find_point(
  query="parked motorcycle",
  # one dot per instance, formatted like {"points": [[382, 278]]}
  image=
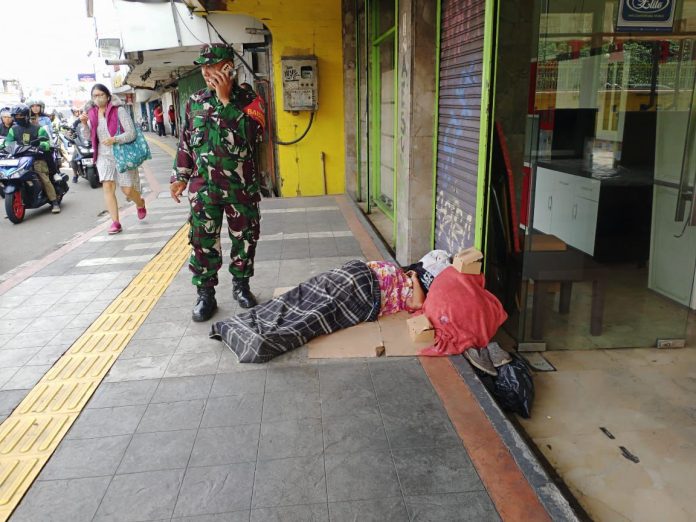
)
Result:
{"points": [[21, 183], [82, 161]]}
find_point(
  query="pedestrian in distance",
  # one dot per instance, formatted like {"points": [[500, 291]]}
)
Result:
{"points": [[172, 119], [159, 120], [215, 160], [110, 123]]}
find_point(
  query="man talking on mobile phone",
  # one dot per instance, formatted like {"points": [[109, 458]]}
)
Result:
{"points": [[215, 160]]}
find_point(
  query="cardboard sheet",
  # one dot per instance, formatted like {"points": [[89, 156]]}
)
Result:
{"points": [[397, 341], [362, 340], [281, 290]]}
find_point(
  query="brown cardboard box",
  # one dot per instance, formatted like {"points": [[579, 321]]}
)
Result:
{"points": [[465, 258], [420, 329], [396, 338]]}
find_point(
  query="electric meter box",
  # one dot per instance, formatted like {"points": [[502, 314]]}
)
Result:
{"points": [[300, 83]]}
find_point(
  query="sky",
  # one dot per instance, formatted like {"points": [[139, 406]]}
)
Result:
{"points": [[55, 37]]}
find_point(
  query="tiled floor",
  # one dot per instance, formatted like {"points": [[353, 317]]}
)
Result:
{"points": [[179, 430], [645, 398]]}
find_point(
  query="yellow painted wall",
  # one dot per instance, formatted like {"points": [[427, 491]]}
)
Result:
{"points": [[302, 27]]}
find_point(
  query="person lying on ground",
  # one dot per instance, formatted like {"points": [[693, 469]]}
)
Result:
{"points": [[354, 293]]}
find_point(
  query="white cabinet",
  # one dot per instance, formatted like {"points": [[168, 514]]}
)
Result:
{"points": [[566, 207]]}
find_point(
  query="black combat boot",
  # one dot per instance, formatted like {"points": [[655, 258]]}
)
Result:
{"points": [[205, 304], [242, 293]]}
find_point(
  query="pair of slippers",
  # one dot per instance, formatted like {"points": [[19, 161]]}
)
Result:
{"points": [[488, 359]]}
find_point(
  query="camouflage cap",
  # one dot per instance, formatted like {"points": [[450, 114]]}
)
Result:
{"points": [[213, 53]]}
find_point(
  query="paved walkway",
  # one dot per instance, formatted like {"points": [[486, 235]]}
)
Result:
{"points": [[178, 430]]}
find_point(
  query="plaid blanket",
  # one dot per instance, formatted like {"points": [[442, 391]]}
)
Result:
{"points": [[326, 303]]}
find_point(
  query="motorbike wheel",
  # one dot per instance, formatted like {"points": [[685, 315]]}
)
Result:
{"points": [[93, 178], [14, 207]]}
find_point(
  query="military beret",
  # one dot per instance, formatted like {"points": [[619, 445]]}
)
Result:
{"points": [[213, 53]]}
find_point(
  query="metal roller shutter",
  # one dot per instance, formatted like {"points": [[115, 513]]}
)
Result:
{"points": [[459, 112]]}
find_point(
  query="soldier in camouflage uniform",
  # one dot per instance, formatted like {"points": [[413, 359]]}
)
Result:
{"points": [[216, 160]]}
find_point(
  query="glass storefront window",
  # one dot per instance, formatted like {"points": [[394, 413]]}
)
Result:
{"points": [[610, 143]]}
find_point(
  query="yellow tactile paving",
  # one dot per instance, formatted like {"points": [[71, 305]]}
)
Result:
{"points": [[32, 433]]}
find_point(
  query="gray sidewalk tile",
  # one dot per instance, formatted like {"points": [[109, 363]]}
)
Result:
{"points": [[43, 323], [43, 299], [233, 410], [86, 458], [48, 355], [106, 422], [10, 399], [126, 393], [79, 297], [298, 379], [419, 428], [253, 381], [354, 433], [158, 451], [323, 247], [189, 364], [7, 373], [13, 299], [181, 313], [234, 516], [83, 320], [159, 330], [26, 377], [177, 388], [32, 339], [22, 312], [424, 471], [198, 344], [344, 378], [13, 326], [75, 500], [202, 329], [287, 405], [361, 476], [76, 308], [288, 482], [149, 348], [66, 336], [14, 357], [6, 336], [140, 496], [349, 402], [380, 510], [227, 445], [138, 368], [306, 513], [170, 416], [216, 489], [456, 507], [292, 438]]}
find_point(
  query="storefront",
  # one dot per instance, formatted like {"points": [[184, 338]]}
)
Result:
{"points": [[602, 169]]}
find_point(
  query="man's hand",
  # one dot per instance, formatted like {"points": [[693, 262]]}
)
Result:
{"points": [[176, 189], [222, 82]]}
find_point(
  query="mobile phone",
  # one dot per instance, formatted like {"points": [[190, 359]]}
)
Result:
{"points": [[227, 68]]}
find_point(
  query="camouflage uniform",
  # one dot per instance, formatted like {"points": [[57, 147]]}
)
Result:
{"points": [[216, 158]]}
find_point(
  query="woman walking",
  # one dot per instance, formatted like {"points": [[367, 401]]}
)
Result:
{"points": [[110, 123]]}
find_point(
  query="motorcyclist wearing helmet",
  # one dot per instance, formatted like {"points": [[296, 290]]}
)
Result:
{"points": [[24, 132], [39, 117], [6, 124]]}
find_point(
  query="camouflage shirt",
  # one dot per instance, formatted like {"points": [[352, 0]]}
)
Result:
{"points": [[217, 143]]}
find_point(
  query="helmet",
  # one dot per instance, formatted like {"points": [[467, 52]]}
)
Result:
{"points": [[5, 111], [21, 110], [38, 102]]}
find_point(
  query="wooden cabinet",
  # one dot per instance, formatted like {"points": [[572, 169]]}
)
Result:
{"points": [[566, 206]]}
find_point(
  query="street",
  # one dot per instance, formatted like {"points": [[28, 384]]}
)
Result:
{"points": [[42, 232]]}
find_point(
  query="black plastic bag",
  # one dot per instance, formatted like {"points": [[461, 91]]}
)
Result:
{"points": [[513, 388]]}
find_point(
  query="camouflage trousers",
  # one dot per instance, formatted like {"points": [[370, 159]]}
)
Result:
{"points": [[243, 224]]}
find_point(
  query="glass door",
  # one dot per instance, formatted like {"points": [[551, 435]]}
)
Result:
{"points": [[611, 247]]}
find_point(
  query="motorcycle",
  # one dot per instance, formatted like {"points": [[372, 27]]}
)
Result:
{"points": [[82, 161], [21, 183]]}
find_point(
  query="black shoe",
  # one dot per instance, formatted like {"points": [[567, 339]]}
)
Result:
{"points": [[242, 293], [205, 305]]}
